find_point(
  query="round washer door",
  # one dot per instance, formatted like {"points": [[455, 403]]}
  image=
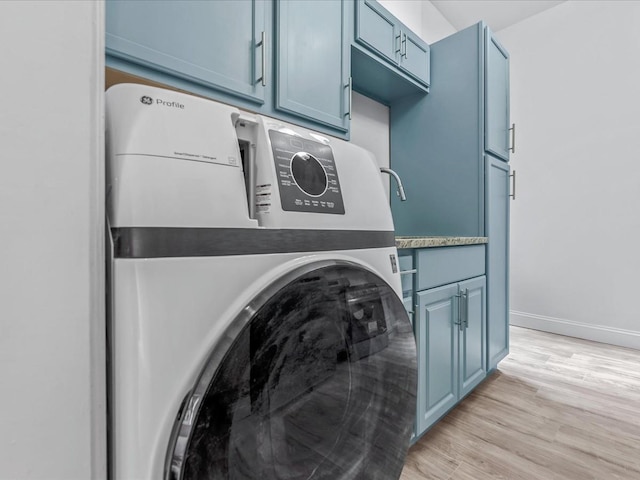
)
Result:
{"points": [[316, 380]]}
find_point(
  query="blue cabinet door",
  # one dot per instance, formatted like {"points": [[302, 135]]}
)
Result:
{"points": [[497, 260], [496, 129], [473, 360], [195, 41], [313, 60], [414, 56], [377, 30], [436, 332]]}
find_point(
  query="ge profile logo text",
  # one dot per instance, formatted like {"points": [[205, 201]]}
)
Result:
{"points": [[158, 101]]}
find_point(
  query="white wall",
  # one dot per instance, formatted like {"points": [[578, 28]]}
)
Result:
{"points": [[434, 26], [575, 225], [370, 128], [51, 264], [422, 17]]}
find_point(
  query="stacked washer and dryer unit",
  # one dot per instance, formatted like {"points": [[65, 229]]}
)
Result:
{"points": [[256, 329]]}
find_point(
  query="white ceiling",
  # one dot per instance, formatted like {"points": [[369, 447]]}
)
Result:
{"points": [[498, 14]]}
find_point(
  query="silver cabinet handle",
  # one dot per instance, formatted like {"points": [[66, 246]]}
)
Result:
{"points": [[513, 138], [399, 42], [465, 295], [513, 185], [263, 49], [404, 43], [463, 311], [459, 322], [350, 87]]}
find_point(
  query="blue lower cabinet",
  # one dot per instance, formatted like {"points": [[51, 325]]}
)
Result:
{"points": [[473, 364], [450, 328], [437, 340]]}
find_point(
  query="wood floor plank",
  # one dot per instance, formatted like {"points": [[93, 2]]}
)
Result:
{"points": [[558, 408], [468, 472], [428, 463]]}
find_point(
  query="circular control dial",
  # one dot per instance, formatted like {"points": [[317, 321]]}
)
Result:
{"points": [[308, 174]]}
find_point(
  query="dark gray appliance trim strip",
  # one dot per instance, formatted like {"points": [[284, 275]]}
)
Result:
{"points": [[161, 242]]}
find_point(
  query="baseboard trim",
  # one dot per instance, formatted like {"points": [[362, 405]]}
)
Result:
{"points": [[570, 328]]}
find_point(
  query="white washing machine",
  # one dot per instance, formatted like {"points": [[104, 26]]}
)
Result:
{"points": [[256, 328]]}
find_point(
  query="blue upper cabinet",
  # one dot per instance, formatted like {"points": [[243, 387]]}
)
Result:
{"points": [[414, 56], [496, 109], [214, 44], [389, 61], [288, 59], [313, 60]]}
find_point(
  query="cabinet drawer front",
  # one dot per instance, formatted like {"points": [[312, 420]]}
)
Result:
{"points": [[439, 266]]}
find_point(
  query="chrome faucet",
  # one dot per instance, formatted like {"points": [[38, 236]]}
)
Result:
{"points": [[401, 194]]}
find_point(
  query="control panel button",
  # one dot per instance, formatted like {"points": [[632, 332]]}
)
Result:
{"points": [[308, 174]]}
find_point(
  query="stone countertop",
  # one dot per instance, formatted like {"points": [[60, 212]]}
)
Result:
{"points": [[426, 242]]}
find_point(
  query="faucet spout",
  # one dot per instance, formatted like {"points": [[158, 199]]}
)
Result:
{"points": [[401, 193]]}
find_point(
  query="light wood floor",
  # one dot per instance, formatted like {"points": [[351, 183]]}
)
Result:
{"points": [[557, 408]]}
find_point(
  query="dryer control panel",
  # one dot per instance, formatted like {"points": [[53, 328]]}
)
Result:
{"points": [[307, 176]]}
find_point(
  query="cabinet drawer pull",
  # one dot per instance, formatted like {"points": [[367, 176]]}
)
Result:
{"points": [[399, 43], [404, 43], [263, 50], [513, 185], [408, 272], [513, 138], [465, 295], [460, 311], [350, 92]]}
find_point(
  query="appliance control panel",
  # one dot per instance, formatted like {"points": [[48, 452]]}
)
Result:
{"points": [[307, 175]]}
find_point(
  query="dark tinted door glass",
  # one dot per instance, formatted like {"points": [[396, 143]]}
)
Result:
{"points": [[319, 384]]}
